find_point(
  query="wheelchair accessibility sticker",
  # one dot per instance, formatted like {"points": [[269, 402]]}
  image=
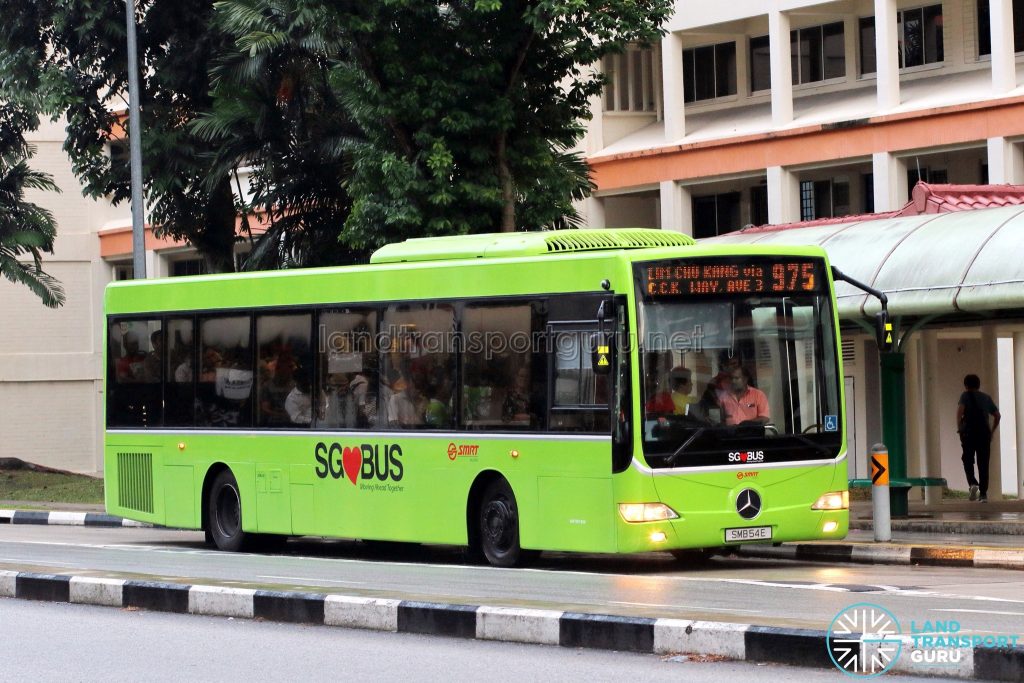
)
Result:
{"points": [[831, 423]]}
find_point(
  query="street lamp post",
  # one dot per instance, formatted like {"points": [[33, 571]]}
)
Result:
{"points": [[135, 149]]}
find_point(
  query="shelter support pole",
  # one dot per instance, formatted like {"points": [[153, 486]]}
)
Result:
{"points": [[672, 86], [1018, 393], [915, 405], [894, 425], [933, 421], [990, 385]]}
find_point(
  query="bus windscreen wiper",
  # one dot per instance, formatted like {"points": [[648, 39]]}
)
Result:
{"points": [[671, 460]]}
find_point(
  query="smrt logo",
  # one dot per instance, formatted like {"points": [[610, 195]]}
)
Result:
{"points": [[746, 456], [462, 450], [365, 461], [746, 475]]}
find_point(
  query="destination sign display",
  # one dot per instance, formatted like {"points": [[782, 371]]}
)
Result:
{"points": [[709, 277]]}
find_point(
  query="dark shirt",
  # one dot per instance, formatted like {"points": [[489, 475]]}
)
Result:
{"points": [[977, 408]]}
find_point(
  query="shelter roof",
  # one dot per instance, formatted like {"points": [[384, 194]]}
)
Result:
{"points": [[940, 254]]}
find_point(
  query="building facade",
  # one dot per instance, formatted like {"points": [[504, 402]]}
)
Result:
{"points": [[51, 361], [754, 112]]}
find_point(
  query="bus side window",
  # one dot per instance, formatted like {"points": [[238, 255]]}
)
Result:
{"points": [[134, 373], [503, 367], [284, 370], [418, 367], [348, 369], [179, 388], [225, 378]]}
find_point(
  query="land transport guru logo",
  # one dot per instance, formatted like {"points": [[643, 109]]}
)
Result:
{"points": [[865, 640], [374, 467]]}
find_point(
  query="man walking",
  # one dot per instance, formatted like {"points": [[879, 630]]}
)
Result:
{"points": [[972, 422]]}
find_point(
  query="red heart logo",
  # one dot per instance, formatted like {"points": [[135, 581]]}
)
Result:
{"points": [[352, 459]]}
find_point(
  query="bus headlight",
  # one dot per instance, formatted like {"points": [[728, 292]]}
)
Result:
{"points": [[833, 500], [646, 512]]}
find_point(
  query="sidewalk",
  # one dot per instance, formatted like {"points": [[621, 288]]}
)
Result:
{"points": [[955, 533]]}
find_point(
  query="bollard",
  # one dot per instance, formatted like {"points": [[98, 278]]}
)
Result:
{"points": [[880, 492]]}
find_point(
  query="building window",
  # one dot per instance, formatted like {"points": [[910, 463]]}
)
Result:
{"points": [[868, 59], [124, 271], [629, 81], [716, 214], [920, 38], [709, 72], [868, 191], [824, 199], [985, 30], [193, 266], [818, 53], [759, 205], [760, 64]]}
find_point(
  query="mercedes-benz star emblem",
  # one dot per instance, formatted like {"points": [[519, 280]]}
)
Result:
{"points": [[748, 504]]}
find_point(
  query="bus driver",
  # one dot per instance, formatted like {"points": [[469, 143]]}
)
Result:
{"points": [[742, 402]]}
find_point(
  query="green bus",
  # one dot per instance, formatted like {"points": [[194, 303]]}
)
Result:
{"points": [[599, 391]]}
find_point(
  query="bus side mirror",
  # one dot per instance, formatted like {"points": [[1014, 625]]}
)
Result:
{"points": [[883, 332]]}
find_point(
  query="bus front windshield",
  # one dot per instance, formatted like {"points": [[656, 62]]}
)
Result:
{"points": [[736, 370]]}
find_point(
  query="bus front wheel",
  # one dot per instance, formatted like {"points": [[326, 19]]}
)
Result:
{"points": [[224, 508], [499, 526]]}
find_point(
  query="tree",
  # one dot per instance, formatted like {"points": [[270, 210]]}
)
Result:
{"points": [[274, 111], [470, 108], [454, 117], [68, 60], [25, 228]]}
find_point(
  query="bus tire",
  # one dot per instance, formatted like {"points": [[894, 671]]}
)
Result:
{"points": [[499, 526], [224, 512]]}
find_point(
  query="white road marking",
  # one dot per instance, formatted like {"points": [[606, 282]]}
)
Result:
{"points": [[306, 578], [978, 611], [678, 606]]}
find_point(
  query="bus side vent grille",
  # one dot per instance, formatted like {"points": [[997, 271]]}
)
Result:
{"points": [[849, 352], [135, 481]]}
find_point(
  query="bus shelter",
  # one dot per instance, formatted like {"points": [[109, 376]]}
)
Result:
{"points": [[955, 286]]}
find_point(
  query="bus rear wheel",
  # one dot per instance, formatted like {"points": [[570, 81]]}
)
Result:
{"points": [[224, 512], [499, 527]]}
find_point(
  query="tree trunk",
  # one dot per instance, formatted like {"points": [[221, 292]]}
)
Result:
{"points": [[216, 239], [508, 197]]}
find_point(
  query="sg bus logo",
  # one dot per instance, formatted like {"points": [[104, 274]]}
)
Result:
{"points": [[746, 456], [365, 461]]}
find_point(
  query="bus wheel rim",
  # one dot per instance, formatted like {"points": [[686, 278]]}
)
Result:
{"points": [[499, 524]]}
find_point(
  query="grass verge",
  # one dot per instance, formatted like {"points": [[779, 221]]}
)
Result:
{"points": [[50, 487]]}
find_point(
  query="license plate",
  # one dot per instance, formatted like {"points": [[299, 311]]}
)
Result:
{"points": [[748, 533]]}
